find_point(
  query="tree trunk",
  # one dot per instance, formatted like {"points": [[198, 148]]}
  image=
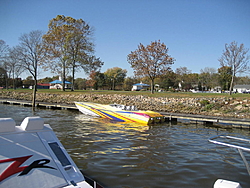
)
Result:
{"points": [[63, 76], [13, 80], [231, 85], [6, 81], [113, 86], [73, 78], [152, 86], [34, 96]]}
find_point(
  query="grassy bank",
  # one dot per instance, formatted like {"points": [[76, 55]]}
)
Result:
{"points": [[212, 104], [135, 93]]}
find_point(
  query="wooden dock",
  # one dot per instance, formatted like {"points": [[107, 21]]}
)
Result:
{"points": [[39, 104], [224, 122], [171, 117]]}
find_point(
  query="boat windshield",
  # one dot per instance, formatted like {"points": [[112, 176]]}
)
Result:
{"points": [[124, 107]]}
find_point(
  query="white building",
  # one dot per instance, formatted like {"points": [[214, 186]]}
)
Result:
{"points": [[140, 86], [241, 88]]}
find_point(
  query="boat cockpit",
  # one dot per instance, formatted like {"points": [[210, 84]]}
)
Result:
{"points": [[124, 107]]}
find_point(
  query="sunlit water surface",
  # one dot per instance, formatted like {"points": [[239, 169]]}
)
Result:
{"points": [[132, 155]]}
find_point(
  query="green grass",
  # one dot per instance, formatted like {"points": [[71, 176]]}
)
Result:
{"points": [[145, 93]]}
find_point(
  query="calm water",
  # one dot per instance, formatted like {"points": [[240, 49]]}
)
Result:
{"points": [[131, 156]]}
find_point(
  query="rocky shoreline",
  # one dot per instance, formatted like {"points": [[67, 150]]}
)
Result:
{"points": [[216, 106]]}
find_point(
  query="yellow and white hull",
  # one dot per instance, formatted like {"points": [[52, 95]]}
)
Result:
{"points": [[114, 113]]}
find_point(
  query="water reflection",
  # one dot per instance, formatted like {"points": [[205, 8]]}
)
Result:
{"points": [[134, 155]]}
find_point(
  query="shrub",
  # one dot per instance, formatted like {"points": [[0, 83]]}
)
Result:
{"points": [[208, 107], [204, 102]]}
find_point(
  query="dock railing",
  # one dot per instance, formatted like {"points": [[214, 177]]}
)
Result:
{"points": [[239, 147]]}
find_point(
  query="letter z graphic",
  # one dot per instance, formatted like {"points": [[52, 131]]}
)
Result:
{"points": [[15, 166]]}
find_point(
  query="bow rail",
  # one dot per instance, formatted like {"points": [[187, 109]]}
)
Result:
{"points": [[239, 147]]}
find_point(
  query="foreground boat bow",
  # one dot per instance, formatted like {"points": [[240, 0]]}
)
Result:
{"points": [[31, 156]]}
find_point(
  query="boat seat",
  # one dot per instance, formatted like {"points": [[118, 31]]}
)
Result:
{"points": [[7, 125], [133, 108], [127, 108], [32, 123]]}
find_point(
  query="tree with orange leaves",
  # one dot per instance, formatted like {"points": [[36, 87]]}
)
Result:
{"points": [[152, 61]]}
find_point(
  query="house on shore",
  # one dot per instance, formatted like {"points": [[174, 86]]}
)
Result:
{"points": [[241, 89], [40, 86], [43, 86], [57, 84], [140, 86]]}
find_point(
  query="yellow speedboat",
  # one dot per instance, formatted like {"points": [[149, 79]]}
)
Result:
{"points": [[120, 113]]}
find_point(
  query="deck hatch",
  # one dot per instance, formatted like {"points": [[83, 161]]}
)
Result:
{"points": [[59, 154]]}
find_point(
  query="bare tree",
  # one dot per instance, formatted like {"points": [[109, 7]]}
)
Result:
{"points": [[208, 70], [13, 65], [32, 54], [3, 54], [3, 49], [183, 71], [181, 78], [208, 76], [235, 57]]}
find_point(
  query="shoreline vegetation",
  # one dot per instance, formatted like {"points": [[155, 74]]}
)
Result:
{"points": [[211, 104]]}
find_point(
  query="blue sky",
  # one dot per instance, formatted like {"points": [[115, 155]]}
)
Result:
{"points": [[195, 31]]}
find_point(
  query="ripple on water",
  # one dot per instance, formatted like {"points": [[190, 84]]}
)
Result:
{"points": [[130, 155]]}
